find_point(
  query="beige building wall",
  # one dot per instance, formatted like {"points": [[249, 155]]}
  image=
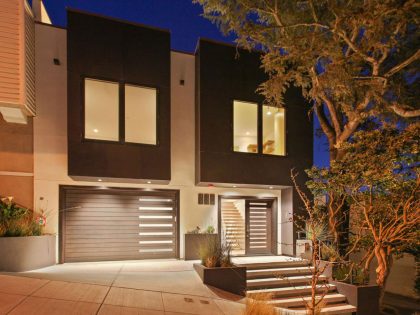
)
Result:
{"points": [[16, 161], [50, 132]]}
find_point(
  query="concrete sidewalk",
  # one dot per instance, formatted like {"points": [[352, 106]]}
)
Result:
{"points": [[145, 287]]}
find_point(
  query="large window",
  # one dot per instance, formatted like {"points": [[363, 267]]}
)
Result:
{"points": [[246, 131], [273, 130], [102, 112], [140, 114], [245, 127]]}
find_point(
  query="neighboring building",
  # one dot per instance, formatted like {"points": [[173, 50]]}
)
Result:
{"points": [[131, 145]]}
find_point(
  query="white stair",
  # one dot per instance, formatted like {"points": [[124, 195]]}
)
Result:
{"points": [[289, 284]]}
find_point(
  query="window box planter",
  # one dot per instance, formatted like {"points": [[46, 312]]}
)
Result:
{"points": [[231, 279], [27, 252], [364, 297], [193, 243]]}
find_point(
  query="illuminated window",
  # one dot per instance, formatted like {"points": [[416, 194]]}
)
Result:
{"points": [[140, 114], [245, 127], [273, 141], [101, 110]]}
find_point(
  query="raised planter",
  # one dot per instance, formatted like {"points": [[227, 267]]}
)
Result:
{"points": [[193, 243], [231, 279], [27, 252], [364, 297]]}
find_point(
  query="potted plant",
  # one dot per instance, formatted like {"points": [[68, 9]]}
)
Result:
{"points": [[216, 268], [23, 244], [194, 239]]}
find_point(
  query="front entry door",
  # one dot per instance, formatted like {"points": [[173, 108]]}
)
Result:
{"points": [[258, 221]]}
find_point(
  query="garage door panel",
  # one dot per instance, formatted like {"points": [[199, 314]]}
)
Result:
{"points": [[118, 225]]}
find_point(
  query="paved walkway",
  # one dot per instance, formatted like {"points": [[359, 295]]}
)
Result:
{"points": [[135, 288]]}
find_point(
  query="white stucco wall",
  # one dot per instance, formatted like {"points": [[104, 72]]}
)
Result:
{"points": [[50, 139]]}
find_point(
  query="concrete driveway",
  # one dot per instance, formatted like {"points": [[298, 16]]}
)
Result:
{"points": [[153, 287]]}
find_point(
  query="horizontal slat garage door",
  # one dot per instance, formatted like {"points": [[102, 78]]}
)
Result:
{"points": [[117, 224]]}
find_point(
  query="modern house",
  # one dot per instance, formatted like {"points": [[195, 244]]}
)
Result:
{"points": [[130, 144]]}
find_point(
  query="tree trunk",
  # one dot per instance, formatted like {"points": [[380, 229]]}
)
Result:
{"points": [[385, 262]]}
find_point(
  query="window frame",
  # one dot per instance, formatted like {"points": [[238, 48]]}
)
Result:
{"points": [[259, 130], [121, 111]]}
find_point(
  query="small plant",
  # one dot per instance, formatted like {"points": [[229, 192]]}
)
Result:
{"points": [[257, 304], [214, 254], [210, 229], [195, 231]]}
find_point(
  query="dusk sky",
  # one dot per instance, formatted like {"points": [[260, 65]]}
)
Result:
{"points": [[181, 17]]}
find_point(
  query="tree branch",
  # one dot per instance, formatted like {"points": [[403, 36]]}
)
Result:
{"points": [[403, 111], [403, 64]]}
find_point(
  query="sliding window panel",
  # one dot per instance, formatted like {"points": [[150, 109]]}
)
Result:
{"points": [[274, 131], [140, 115], [245, 127], [101, 110]]}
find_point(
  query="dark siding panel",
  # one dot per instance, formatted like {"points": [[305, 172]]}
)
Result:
{"points": [[223, 77], [111, 50]]}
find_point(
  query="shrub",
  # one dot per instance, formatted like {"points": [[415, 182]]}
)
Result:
{"points": [[257, 304], [214, 254], [16, 220]]}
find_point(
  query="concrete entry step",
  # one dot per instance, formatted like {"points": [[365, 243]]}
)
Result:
{"points": [[293, 291], [282, 282], [331, 298], [278, 272]]}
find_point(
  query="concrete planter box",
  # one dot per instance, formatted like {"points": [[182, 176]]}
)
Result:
{"points": [[231, 279], [364, 297], [27, 252], [193, 243]]}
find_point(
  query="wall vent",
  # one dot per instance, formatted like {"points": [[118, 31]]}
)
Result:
{"points": [[206, 199]]}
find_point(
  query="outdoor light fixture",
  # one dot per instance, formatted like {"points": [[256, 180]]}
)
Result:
{"points": [[95, 130], [234, 186], [271, 187], [99, 180], [269, 113], [149, 182]]}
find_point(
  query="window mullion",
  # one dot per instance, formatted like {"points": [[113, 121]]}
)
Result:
{"points": [[121, 113]]}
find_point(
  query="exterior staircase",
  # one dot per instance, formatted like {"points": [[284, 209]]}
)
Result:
{"points": [[288, 283], [233, 226]]}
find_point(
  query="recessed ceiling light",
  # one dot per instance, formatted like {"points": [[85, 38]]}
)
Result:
{"points": [[234, 186], [271, 187], [95, 130], [247, 133], [149, 182], [268, 113], [99, 180]]}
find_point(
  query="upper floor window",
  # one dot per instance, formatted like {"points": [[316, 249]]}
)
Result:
{"points": [[247, 126], [274, 131], [103, 108]]}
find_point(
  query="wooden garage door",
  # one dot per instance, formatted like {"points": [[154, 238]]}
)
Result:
{"points": [[117, 224]]}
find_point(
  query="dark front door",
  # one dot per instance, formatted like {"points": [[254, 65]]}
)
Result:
{"points": [[258, 222]]}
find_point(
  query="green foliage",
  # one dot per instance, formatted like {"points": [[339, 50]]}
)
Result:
{"points": [[350, 58], [350, 273], [210, 229], [17, 221], [214, 254]]}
